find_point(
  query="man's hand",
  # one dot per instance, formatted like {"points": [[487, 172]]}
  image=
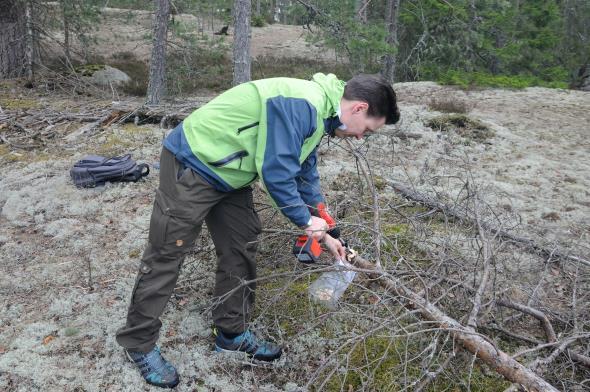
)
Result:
{"points": [[317, 229], [335, 247], [322, 211]]}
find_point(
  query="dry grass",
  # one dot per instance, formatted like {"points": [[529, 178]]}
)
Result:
{"points": [[450, 105]]}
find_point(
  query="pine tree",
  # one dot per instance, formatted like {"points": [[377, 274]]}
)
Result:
{"points": [[241, 51], [157, 82]]}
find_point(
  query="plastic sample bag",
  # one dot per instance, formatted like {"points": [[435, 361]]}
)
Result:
{"points": [[329, 287]]}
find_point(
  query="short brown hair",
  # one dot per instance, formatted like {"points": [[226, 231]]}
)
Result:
{"points": [[375, 91]]}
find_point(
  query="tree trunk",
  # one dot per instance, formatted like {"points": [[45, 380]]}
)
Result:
{"points": [[242, 41], [470, 45], [30, 42], [12, 39], [157, 82], [361, 10], [391, 17], [66, 19]]}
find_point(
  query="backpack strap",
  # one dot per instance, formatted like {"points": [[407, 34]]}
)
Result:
{"points": [[138, 172]]}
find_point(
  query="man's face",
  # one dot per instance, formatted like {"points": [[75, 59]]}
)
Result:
{"points": [[357, 122]]}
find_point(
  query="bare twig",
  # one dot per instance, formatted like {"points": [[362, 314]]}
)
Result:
{"points": [[376, 219], [549, 332]]}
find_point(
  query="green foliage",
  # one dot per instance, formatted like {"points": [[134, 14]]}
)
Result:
{"points": [[486, 79], [497, 43], [205, 66], [363, 44], [132, 4], [88, 69], [489, 43], [204, 63], [81, 17], [258, 21]]}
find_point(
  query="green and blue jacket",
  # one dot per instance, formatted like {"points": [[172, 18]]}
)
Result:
{"points": [[266, 129]]}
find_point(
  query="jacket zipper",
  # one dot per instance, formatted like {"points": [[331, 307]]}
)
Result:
{"points": [[229, 158], [241, 129]]}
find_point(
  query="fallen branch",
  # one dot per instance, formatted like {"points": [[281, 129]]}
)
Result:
{"points": [[539, 365], [526, 243], [17, 145], [88, 129], [549, 332], [475, 343], [487, 256], [166, 115]]}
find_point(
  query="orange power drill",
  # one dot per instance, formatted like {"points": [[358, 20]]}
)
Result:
{"points": [[308, 250]]}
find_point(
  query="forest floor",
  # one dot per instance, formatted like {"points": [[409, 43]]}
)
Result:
{"points": [[69, 256]]}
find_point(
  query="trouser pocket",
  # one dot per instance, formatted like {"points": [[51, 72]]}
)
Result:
{"points": [[158, 223], [173, 226]]}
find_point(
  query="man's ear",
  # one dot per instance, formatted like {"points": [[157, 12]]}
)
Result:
{"points": [[360, 107]]}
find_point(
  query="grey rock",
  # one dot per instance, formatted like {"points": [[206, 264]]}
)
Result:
{"points": [[108, 76]]}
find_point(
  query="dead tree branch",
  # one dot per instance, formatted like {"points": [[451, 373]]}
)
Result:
{"points": [[475, 343], [487, 255], [549, 332]]}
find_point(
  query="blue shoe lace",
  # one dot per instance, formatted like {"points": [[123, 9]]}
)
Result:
{"points": [[154, 368], [248, 343]]}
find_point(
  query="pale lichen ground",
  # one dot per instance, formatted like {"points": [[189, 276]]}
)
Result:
{"points": [[57, 327]]}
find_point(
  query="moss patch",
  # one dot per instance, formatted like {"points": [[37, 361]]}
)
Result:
{"points": [[291, 306], [114, 144], [18, 103], [71, 331], [7, 155], [462, 125], [371, 365], [132, 128], [89, 69], [477, 381], [379, 182]]}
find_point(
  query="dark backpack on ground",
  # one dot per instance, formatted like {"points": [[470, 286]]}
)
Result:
{"points": [[94, 170]]}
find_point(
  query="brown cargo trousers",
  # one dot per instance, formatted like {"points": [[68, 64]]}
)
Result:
{"points": [[183, 200]]}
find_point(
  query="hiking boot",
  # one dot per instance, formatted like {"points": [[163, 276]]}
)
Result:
{"points": [[248, 343], [154, 368]]}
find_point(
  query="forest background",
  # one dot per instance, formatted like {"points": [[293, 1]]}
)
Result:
{"points": [[472, 211], [498, 43]]}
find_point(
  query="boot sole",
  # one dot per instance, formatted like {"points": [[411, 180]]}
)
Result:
{"points": [[247, 355]]}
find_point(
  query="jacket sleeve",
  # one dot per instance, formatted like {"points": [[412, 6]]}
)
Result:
{"points": [[308, 181], [289, 121]]}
